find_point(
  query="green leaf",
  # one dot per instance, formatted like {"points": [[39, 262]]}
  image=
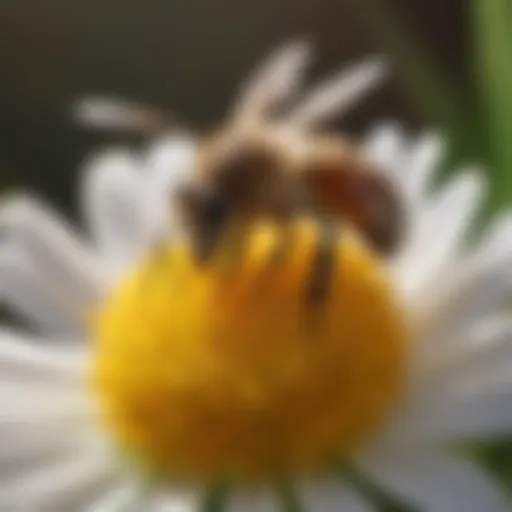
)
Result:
{"points": [[493, 50]]}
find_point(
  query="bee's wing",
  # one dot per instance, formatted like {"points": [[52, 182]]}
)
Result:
{"points": [[105, 113], [338, 93], [274, 81], [350, 189]]}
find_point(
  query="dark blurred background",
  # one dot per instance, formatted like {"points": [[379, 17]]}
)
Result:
{"points": [[185, 55], [451, 58]]}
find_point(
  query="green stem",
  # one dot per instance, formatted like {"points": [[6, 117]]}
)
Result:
{"points": [[381, 501], [288, 497], [215, 497]]}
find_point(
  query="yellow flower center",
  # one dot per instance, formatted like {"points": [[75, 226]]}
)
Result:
{"points": [[227, 370]]}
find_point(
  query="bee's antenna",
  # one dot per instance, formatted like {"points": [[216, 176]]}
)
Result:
{"points": [[273, 82], [104, 113], [339, 93]]}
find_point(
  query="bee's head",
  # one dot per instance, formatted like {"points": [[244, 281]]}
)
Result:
{"points": [[231, 185], [205, 212]]}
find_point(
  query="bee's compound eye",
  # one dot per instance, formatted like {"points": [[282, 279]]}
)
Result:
{"points": [[207, 212], [215, 207], [207, 202]]}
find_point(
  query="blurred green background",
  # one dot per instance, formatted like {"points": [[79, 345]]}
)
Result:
{"points": [[452, 62]]}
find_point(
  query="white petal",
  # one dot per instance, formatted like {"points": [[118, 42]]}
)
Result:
{"points": [[30, 447], [38, 420], [169, 163], [39, 301], [44, 408], [169, 160], [465, 416], [39, 357], [114, 205], [35, 402], [56, 251], [257, 500], [496, 243], [27, 394], [66, 485], [481, 349], [476, 289], [27, 406], [467, 403], [434, 483], [175, 500], [385, 146], [420, 164], [26, 446], [331, 496], [439, 235], [125, 498]]}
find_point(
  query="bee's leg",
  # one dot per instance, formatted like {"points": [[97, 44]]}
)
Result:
{"points": [[232, 247], [320, 279], [284, 215], [283, 244]]}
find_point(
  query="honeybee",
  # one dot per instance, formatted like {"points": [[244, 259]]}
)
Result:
{"points": [[266, 163], [262, 164]]}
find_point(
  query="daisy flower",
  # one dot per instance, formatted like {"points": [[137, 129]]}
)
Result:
{"points": [[144, 383]]}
